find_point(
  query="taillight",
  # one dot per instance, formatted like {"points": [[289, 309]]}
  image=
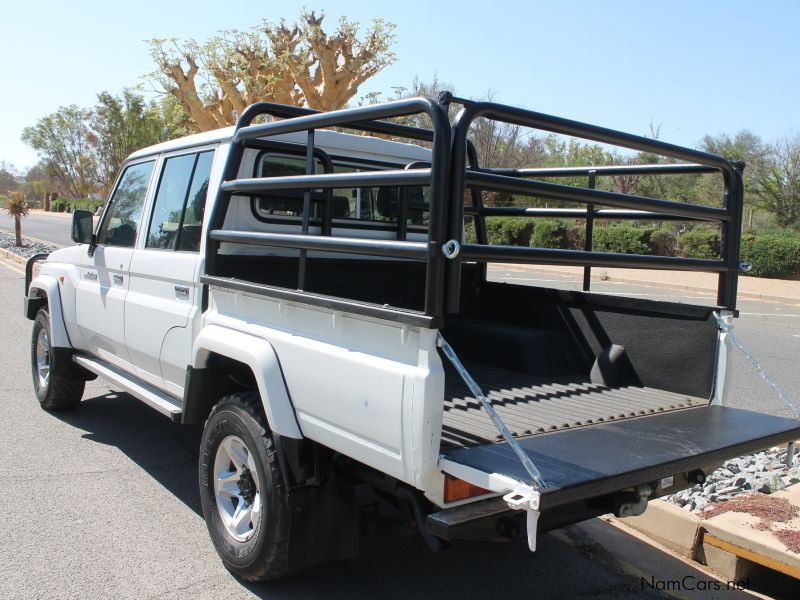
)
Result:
{"points": [[458, 489]]}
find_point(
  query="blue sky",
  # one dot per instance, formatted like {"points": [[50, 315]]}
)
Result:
{"points": [[691, 67]]}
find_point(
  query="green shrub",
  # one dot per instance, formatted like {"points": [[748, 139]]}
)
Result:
{"points": [[576, 237], [623, 239], [509, 231], [469, 233], [85, 204], [549, 234], [59, 205], [700, 242], [772, 254], [663, 243]]}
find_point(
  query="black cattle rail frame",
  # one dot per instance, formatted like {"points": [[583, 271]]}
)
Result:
{"points": [[454, 168]]}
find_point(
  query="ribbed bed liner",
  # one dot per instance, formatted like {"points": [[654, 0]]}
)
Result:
{"points": [[531, 405]]}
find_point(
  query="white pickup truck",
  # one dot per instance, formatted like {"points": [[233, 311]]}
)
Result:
{"points": [[311, 296]]}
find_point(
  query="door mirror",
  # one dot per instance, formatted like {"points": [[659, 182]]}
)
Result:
{"points": [[82, 227]]}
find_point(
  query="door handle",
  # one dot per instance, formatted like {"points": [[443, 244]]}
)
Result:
{"points": [[182, 290], [117, 279], [90, 275]]}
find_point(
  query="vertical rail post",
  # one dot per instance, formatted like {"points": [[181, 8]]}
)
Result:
{"points": [[587, 245], [301, 272], [731, 235]]}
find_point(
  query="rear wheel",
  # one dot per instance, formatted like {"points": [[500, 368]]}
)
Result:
{"points": [[54, 381], [242, 490]]}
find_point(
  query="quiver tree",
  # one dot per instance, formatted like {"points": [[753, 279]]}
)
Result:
{"points": [[16, 206], [298, 64]]}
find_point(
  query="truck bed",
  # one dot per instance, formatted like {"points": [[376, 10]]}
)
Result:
{"points": [[532, 405]]}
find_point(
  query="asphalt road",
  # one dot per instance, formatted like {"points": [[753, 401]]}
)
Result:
{"points": [[102, 502], [50, 228]]}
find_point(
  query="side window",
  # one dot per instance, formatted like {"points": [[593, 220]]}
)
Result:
{"points": [[124, 210], [379, 205], [289, 203], [180, 200]]}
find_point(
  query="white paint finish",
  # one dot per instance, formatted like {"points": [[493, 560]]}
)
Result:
{"points": [[722, 376], [357, 386], [48, 285], [100, 300], [260, 356], [153, 307]]}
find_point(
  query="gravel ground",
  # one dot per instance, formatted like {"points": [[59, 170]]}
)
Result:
{"points": [[763, 472], [29, 246]]}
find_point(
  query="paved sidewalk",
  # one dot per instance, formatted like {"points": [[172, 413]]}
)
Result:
{"points": [[754, 288]]}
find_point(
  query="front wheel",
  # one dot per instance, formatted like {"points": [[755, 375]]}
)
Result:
{"points": [[54, 381], [242, 490]]}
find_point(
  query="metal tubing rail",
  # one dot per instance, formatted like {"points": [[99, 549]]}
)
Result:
{"points": [[731, 173], [387, 248], [283, 111], [577, 213], [363, 118], [329, 181], [356, 118], [551, 256], [568, 193], [608, 170]]}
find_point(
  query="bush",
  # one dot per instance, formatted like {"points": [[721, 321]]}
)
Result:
{"points": [[663, 243], [549, 234], [772, 254], [576, 237], [85, 204], [623, 239], [59, 205], [700, 242], [509, 231]]}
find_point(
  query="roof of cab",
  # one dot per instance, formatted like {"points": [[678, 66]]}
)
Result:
{"points": [[351, 145]]}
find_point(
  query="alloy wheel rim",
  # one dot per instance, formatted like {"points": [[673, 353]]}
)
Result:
{"points": [[236, 488], [43, 358]]}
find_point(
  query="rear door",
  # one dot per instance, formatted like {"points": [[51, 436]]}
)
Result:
{"points": [[163, 298], [103, 285]]}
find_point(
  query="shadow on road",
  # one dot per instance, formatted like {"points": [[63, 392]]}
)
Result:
{"points": [[167, 451]]}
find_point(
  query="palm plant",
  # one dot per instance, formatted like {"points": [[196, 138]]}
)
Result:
{"points": [[16, 206]]}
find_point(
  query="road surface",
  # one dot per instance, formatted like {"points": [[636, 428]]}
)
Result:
{"points": [[51, 228]]}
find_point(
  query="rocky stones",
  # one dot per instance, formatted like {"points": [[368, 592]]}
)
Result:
{"points": [[764, 472]]}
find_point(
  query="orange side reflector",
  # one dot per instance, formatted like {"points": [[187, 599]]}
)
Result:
{"points": [[458, 489]]}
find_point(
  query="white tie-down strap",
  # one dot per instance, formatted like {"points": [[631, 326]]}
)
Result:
{"points": [[521, 497], [727, 329]]}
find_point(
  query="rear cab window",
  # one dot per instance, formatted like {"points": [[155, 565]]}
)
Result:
{"points": [[374, 207]]}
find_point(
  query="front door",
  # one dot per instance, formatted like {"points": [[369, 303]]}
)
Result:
{"points": [[163, 300], [103, 285]]}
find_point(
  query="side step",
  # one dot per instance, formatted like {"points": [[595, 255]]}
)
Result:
{"points": [[154, 398]]}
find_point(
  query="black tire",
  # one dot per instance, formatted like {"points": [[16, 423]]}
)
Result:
{"points": [[265, 555], [62, 390]]}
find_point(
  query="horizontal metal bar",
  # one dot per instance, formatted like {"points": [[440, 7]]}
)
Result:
{"points": [[545, 122], [329, 180], [388, 248], [607, 170], [569, 193], [347, 117], [377, 311], [577, 213], [549, 256], [283, 111]]}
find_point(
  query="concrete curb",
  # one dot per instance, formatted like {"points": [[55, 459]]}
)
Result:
{"points": [[7, 254], [684, 532], [680, 287]]}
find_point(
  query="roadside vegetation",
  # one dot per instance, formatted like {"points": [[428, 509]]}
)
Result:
{"points": [[202, 85]]}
